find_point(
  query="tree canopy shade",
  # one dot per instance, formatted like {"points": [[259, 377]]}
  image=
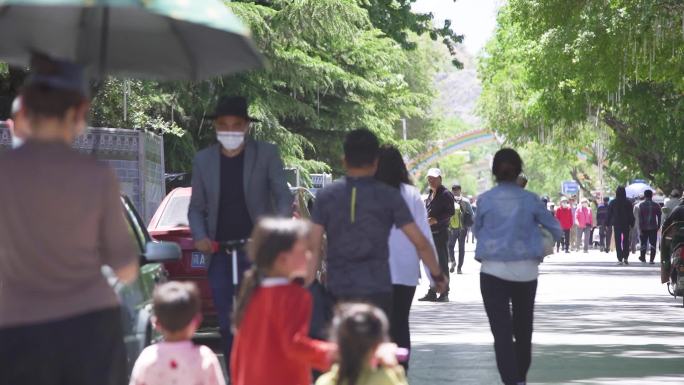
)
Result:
{"points": [[556, 70], [333, 66], [330, 70]]}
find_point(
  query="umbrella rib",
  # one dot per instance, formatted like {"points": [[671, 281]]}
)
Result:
{"points": [[186, 49]]}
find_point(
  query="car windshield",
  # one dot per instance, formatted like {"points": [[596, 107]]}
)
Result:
{"points": [[175, 213]]}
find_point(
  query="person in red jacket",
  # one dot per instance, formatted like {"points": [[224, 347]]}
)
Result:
{"points": [[564, 216], [273, 312]]}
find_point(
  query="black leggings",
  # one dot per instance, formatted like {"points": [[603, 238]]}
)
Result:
{"points": [[399, 322], [512, 330]]}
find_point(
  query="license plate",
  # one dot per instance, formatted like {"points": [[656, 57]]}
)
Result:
{"points": [[198, 261]]}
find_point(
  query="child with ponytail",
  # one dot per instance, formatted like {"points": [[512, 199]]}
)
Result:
{"points": [[361, 331], [273, 310]]}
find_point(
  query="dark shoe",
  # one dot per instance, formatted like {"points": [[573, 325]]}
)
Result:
{"points": [[453, 267], [642, 259], [431, 296], [652, 263], [458, 271], [626, 263], [443, 298]]}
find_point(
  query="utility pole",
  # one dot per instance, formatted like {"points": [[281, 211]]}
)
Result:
{"points": [[403, 124], [600, 156], [126, 90]]}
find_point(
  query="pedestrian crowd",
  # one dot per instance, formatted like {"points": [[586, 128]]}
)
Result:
{"points": [[631, 223], [369, 232]]}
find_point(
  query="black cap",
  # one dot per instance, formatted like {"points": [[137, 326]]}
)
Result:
{"points": [[57, 74], [232, 106], [456, 187]]}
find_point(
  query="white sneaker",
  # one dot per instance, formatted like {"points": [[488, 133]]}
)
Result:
{"points": [[619, 263]]}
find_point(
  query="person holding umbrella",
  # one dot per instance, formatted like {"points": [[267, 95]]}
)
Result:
{"points": [[234, 183], [60, 222]]}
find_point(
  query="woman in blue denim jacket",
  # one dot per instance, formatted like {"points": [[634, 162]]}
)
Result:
{"points": [[510, 248]]}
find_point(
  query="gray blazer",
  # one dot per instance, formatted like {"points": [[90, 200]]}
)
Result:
{"points": [[266, 190]]}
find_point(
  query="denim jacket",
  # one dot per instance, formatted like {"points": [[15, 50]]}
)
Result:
{"points": [[507, 224]]}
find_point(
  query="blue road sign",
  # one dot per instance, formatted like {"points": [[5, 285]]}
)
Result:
{"points": [[570, 187]]}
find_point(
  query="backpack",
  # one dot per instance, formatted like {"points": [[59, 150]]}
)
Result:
{"points": [[457, 218], [466, 216]]}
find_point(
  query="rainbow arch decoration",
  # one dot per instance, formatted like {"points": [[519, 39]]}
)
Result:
{"points": [[418, 164]]}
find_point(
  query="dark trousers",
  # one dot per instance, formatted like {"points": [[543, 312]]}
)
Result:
{"points": [[220, 274], [399, 321], [606, 233], [441, 238], [566, 240], [512, 330], [384, 301], [622, 242], [457, 235], [649, 239], [83, 350]]}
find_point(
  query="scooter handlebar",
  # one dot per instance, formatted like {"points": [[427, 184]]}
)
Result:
{"points": [[228, 245]]}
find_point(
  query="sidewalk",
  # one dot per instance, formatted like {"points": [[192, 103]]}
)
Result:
{"points": [[595, 323]]}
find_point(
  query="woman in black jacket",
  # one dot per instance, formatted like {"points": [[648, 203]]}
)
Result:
{"points": [[621, 217]]}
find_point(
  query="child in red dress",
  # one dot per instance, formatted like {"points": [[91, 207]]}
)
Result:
{"points": [[273, 312]]}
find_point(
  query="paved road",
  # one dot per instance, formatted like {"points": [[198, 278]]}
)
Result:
{"points": [[596, 323]]}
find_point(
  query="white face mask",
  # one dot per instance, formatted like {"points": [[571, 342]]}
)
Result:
{"points": [[231, 141], [16, 142]]}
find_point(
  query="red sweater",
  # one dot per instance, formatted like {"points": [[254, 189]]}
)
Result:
{"points": [[272, 345], [564, 216]]}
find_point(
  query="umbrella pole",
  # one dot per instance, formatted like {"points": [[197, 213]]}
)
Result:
{"points": [[104, 38]]}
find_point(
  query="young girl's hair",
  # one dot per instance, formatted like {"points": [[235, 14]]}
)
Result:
{"points": [[358, 329], [391, 167], [176, 304], [270, 237]]}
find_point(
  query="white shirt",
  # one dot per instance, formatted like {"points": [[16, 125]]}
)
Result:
{"points": [[404, 260], [525, 270]]}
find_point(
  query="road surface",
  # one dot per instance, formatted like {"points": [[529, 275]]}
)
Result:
{"points": [[595, 323]]}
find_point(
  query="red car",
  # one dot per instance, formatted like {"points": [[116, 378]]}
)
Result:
{"points": [[170, 223]]}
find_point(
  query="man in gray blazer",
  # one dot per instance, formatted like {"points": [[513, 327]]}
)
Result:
{"points": [[234, 183]]}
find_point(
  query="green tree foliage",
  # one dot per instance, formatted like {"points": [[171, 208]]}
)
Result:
{"points": [[395, 18], [562, 71], [329, 71], [332, 66]]}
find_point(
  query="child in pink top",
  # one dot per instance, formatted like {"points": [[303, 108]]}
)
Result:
{"points": [[177, 360]]}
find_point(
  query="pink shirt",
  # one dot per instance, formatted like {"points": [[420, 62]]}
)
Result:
{"points": [[177, 363], [583, 217]]}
